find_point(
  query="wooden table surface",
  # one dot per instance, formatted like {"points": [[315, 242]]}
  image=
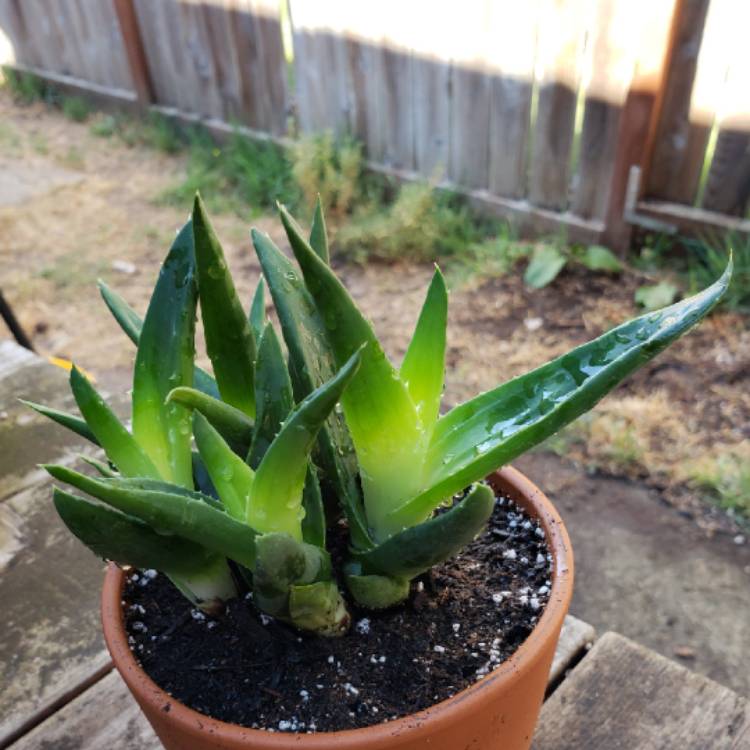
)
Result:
{"points": [[58, 690]]}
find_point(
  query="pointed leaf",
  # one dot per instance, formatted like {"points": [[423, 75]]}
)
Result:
{"points": [[119, 445], [112, 535], [314, 521], [311, 363], [257, 315], [318, 233], [229, 338], [273, 395], [276, 501], [232, 424], [100, 466], [423, 368], [170, 513], [131, 324], [492, 429], [164, 360], [379, 411], [73, 423], [231, 476], [544, 266], [417, 549]]}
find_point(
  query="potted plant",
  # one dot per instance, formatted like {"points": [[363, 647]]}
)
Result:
{"points": [[285, 496]]}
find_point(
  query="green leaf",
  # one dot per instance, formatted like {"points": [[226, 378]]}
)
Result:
{"points": [[423, 367], [655, 296], [375, 591], [492, 429], [131, 324], [112, 535], [311, 363], [546, 262], [318, 233], [229, 338], [319, 608], [170, 512], [158, 485], [101, 467], [164, 360], [273, 395], [416, 549], [598, 258], [73, 423], [119, 445], [314, 521], [232, 424], [231, 476], [257, 316], [381, 416], [276, 500]]}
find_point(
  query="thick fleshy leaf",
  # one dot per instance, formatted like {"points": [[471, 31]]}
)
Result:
{"points": [[102, 468], [112, 535], [257, 316], [273, 395], [319, 234], [131, 324], [229, 338], [157, 485], [417, 549], [379, 411], [232, 424], [73, 423], [314, 521], [423, 368], [170, 512], [276, 501], [492, 429], [119, 445], [311, 363], [231, 476], [375, 591], [319, 607], [164, 360]]}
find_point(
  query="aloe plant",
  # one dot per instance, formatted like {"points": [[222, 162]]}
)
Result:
{"points": [[252, 464]]}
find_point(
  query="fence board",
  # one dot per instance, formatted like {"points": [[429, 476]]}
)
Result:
{"points": [[561, 37], [470, 90], [510, 58], [611, 59], [680, 145], [431, 71]]}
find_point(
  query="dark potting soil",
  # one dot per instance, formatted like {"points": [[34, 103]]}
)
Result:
{"points": [[461, 621]]}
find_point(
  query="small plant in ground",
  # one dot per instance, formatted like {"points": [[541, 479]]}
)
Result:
{"points": [[26, 88], [286, 444], [328, 170], [548, 260], [725, 475], [75, 108]]}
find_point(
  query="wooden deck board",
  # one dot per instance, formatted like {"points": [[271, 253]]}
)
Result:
{"points": [[623, 696]]}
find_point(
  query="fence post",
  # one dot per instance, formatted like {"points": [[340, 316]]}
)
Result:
{"points": [[131, 37], [640, 117]]}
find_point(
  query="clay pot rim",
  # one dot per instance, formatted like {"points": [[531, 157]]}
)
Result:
{"points": [[508, 480]]}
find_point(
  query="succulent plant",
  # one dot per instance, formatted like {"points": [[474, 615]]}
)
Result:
{"points": [[285, 446]]}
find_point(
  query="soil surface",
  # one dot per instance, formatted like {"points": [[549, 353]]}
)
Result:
{"points": [[74, 207], [461, 621]]}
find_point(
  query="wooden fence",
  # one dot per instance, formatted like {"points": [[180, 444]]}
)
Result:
{"points": [[586, 116]]}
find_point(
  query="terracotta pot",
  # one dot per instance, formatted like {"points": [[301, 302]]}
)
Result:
{"points": [[497, 713]]}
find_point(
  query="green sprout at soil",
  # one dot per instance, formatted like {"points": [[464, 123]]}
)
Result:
{"points": [[231, 480]]}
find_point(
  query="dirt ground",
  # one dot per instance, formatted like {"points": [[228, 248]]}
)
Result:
{"points": [[75, 207]]}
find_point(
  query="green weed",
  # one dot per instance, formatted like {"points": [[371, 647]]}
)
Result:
{"points": [[726, 478], [75, 108], [104, 126], [26, 88]]}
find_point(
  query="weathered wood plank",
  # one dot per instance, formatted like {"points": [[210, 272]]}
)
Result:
{"points": [[623, 696], [510, 59], [680, 140], [576, 637], [611, 59], [561, 36], [470, 97], [106, 716], [133, 43], [50, 642]]}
